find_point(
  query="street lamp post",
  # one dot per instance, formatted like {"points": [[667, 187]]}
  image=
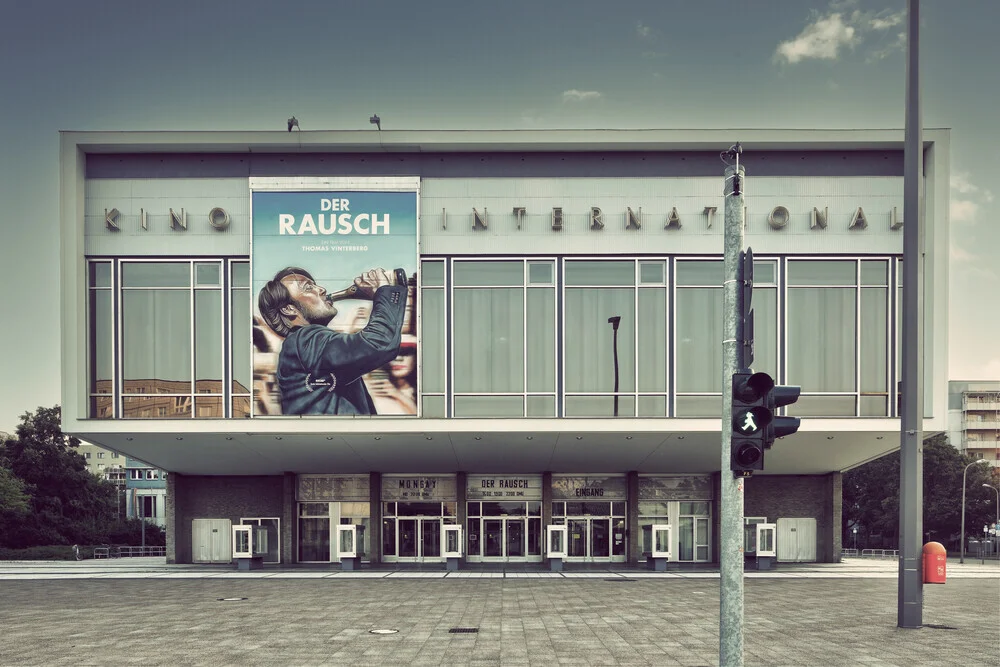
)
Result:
{"points": [[855, 541], [996, 526], [961, 557]]}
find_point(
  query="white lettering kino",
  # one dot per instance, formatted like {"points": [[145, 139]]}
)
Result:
{"points": [[323, 225]]}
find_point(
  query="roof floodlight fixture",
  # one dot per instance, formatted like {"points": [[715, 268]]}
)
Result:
{"points": [[293, 122], [376, 121]]}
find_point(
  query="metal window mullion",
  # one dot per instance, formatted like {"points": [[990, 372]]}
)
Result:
{"points": [[191, 329], [117, 336], [560, 342], [857, 336], [671, 324], [635, 339], [524, 337], [227, 356], [449, 322]]}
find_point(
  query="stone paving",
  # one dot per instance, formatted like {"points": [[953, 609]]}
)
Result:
{"points": [[151, 613]]}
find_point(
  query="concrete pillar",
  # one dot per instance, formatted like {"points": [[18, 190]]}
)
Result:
{"points": [[289, 519], [833, 516], [546, 506], [170, 514], [461, 494], [375, 516], [632, 517]]}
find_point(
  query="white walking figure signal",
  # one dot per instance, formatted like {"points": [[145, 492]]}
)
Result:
{"points": [[749, 425]]}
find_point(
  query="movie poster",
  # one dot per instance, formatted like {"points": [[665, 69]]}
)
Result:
{"points": [[334, 302]]}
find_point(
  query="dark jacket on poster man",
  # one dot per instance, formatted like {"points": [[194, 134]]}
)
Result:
{"points": [[319, 370]]}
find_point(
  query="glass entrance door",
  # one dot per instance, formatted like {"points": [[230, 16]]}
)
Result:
{"points": [[419, 538], [408, 540], [591, 539], [430, 538], [514, 529], [493, 538]]}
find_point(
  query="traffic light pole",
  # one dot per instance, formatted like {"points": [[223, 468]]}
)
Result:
{"points": [[731, 501], [909, 611]]}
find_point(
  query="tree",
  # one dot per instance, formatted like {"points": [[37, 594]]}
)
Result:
{"points": [[14, 502], [67, 504], [871, 497]]}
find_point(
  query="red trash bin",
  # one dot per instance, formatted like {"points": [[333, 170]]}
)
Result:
{"points": [[935, 563]]}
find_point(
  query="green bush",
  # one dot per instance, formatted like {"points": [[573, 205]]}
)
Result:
{"points": [[43, 553]]}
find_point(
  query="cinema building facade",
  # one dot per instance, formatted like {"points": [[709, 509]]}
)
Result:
{"points": [[522, 406]]}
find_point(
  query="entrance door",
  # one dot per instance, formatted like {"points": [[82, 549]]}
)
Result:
{"points": [[493, 538], [600, 534], [579, 534], [430, 538], [408, 538], [419, 538], [515, 537]]}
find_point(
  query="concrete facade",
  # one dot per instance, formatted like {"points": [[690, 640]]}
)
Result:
{"points": [[226, 467]]}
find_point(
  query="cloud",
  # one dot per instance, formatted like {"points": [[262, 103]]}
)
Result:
{"points": [[963, 210], [844, 28], [575, 95], [821, 39], [957, 254], [879, 54], [642, 30], [887, 21]]}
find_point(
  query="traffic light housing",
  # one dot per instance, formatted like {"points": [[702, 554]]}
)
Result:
{"points": [[781, 426], [751, 419]]}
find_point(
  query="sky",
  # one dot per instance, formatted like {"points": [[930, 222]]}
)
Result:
{"points": [[444, 64]]}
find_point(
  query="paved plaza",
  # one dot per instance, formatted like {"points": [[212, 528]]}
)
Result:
{"points": [[142, 611]]}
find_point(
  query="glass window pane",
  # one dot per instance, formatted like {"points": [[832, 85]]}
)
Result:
{"points": [[707, 273], [874, 339], [823, 406], [590, 341], [541, 406], [489, 406], [433, 407], [821, 272], [156, 341], [208, 407], [652, 339], [600, 273], [489, 340], [698, 355], [432, 274], [208, 341], [432, 340], [765, 272], [101, 407], [699, 406], [874, 272], [101, 342], [652, 406], [156, 407], [540, 273], [240, 325], [241, 407], [488, 273], [599, 406], [241, 274], [207, 274], [652, 273], [874, 406], [156, 274], [100, 274], [541, 346], [821, 339]]}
